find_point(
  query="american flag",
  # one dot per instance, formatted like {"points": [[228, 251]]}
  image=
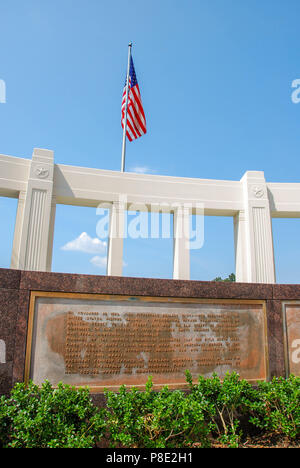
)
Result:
{"points": [[136, 121]]}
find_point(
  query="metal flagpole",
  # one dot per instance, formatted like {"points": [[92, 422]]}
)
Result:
{"points": [[126, 106]]}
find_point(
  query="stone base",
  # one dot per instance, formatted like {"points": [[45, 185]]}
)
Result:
{"points": [[280, 303]]}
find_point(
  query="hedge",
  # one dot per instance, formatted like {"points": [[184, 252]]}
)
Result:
{"points": [[212, 410]]}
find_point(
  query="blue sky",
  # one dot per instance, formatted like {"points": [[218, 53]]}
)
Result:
{"points": [[215, 78]]}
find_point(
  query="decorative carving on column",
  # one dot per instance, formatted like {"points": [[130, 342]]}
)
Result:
{"points": [[258, 191], [35, 229], [41, 172], [258, 245], [35, 225], [263, 253]]}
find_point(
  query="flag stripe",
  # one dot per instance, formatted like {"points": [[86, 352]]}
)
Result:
{"points": [[139, 117], [137, 96], [136, 120], [131, 127], [138, 123]]}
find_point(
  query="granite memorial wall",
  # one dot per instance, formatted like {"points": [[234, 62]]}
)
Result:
{"points": [[106, 331]]}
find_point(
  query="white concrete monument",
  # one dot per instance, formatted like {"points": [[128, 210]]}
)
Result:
{"points": [[39, 185]]}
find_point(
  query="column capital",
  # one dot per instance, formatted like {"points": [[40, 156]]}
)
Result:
{"points": [[43, 155], [255, 187], [42, 166], [253, 176], [118, 205], [184, 209]]}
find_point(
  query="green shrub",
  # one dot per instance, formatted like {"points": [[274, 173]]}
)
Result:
{"points": [[44, 417], [34, 417], [225, 402], [277, 406], [155, 419]]}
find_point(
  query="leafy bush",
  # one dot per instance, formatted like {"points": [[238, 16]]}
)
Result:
{"points": [[231, 278], [155, 419], [225, 402], [277, 406], [44, 417], [34, 417]]}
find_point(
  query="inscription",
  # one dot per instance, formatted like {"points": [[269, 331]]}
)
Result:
{"points": [[107, 343], [148, 343]]}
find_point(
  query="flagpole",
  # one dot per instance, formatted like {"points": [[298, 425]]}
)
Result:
{"points": [[126, 107]]}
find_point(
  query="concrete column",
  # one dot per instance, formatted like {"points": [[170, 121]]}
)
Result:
{"points": [[240, 247], [253, 233], [15, 257], [181, 254], [51, 234], [33, 239], [116, 239]]}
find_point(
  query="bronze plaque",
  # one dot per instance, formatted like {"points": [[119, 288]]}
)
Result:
{"points": [[292, 338], [107, 341]]}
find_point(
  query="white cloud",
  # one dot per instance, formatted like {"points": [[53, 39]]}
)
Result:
{"points": [[141, 170], [85, 243], [99, 262]]}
